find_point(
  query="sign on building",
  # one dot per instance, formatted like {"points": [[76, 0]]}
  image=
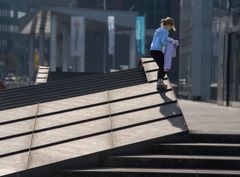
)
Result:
{"points": [[140, 35], [77, 36]]}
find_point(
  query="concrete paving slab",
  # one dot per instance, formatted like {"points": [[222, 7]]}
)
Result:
{"points": [[145, 115], [73, 102], [81, 147], [12, 114], [16, 128], [70, 150], [54, 120], [102, 110], [102, 142], [52, 106], [102, 125], [203, 117], [140, 102], [83, 129], [13, 163], [149, 131], [15, 144], [131, 91]]}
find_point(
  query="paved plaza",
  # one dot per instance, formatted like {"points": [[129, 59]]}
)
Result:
{"points": [[205, 117]]}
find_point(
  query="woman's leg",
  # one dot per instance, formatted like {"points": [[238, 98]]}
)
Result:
{"points": [[156, 55], [161, 67]]}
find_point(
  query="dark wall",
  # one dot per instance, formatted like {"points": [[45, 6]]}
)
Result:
{"points": [[95, 49], [153, 10]]}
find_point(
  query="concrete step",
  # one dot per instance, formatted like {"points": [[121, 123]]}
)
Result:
{"points": [[23, 96], [207, 155], [195, 149], [143, 172], [215, 138], [174, 161]]}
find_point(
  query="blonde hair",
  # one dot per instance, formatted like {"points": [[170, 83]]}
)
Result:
{"points": [[168, 21]]}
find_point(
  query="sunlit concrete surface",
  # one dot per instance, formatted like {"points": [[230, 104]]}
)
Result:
{"points": [[112, 118], [210, 118]]}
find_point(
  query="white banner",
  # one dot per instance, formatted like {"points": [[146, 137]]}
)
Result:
{"points": [[111, 35], [77, 36]]}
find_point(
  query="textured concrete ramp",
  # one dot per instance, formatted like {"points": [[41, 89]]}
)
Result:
{"points": [[52, 131]]}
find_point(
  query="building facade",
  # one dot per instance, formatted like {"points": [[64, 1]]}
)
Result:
{"points": [[209, 51], [9, 56], [226, 51], [13, 44], [18, 43], [152, 10]]}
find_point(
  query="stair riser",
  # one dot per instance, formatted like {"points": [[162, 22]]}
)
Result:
{"points": [[173, 163], [201, 138], [109, 174], [193, 150]]}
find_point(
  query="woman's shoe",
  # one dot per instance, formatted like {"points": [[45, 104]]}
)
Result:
{"points": [[161, 85]]}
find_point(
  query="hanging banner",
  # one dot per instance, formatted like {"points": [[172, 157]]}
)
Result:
{"points": [[111, 35], [140, 35], [77, 36]]}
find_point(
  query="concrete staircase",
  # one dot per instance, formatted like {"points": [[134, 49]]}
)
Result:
{"points": [[63, 124], [200, 155]]}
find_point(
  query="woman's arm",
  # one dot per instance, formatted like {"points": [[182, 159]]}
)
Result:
{"points": [[164, 39]]}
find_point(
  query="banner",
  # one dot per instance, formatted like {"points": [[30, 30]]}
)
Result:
{"points": [[111, 35], [77, 36], [140, 35]]}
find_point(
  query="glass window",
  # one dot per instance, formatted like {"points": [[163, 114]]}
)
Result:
{"points": [[21, 14], [11, 13]]}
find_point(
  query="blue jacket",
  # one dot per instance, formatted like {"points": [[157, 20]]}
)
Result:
{"points": [[159, 39]]}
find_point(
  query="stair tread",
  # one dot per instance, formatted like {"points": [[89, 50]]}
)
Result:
{"points": [[200, 144], [181, 157], [155, 170], [198, 133]]}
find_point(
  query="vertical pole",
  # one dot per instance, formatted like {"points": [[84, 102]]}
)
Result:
{"points": [[228, 69], [104, 5], [81, 58], [53, 43], [228, 57], [132, 49], [113, 65], [64, 47], [104, 40], [221, 69], [104, 52], [41, 38], [31, 49], [31, 54]]}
